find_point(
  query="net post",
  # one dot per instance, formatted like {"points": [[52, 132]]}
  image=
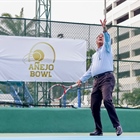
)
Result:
{"points": [[79, 96]]}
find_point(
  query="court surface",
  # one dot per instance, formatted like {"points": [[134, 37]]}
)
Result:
{"points": [[67, 136]]}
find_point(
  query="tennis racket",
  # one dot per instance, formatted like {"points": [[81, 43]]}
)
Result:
{"points": [[64, 88]]}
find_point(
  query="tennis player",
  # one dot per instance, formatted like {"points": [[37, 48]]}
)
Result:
{"points": [[101, 70]]}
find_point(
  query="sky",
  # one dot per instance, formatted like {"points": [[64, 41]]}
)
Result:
{"points": [[79, 11]]}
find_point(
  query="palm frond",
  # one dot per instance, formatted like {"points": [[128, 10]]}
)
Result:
{"points": [[11, 26], [3, 31], [6, 15], [30, 29], [21, 12]]}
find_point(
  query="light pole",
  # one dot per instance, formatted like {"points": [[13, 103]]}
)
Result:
{"points": [[105, 9]]}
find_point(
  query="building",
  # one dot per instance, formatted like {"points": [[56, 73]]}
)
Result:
{"points": [[127, 48], [123, 12]]}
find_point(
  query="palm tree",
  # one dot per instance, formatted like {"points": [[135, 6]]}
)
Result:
{"points": [[16, 26]]}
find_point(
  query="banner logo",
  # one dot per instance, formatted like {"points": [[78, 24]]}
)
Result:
{"points": [[41, 60]]}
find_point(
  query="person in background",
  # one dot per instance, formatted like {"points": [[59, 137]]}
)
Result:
{"points": [[101, 69]]}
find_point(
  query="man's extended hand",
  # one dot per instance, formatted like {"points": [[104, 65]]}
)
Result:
{"points": [[103, 23], [79, 82]]}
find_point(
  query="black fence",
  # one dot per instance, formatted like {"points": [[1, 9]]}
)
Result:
{"points": [[126, 49]]}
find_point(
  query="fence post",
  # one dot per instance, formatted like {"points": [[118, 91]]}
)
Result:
{"points": [[64, 101], [79, 96]]}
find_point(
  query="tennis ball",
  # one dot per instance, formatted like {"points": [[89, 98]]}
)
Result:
{"points": [[38, 55]]}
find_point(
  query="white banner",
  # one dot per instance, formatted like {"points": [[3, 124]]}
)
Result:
{"points": [[41, 59]]}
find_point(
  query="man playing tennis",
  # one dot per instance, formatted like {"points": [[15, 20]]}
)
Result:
{"points": [[101, 70]]}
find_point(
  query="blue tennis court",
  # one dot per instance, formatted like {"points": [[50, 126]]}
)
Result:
{"points": [[74, 138], [69, 136]]}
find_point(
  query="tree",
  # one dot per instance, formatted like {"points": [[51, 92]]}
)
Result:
{"points": [[16, 26], [132, 99], [127, 99], [90, 52]]}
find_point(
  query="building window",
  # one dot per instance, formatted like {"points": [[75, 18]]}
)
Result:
{"points": [[124, 55], [123, 18], [136, 52], [137, 12], [121, 37], [136, 72], [109, 25], [118, 2], [124, 74], [124, 36], [136, 32], [109, 8]]}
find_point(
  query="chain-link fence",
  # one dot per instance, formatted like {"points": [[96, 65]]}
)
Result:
{"points": [[126, 49]]}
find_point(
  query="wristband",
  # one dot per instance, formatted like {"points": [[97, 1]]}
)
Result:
{"points": [[105, 29]]}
